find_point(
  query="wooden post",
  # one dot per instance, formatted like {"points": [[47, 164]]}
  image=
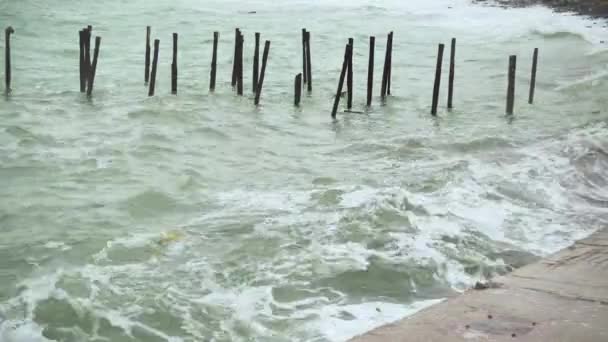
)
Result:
{"points": [[451, 77], [390, 63], [256, 62], [87, 54], [239, 66], [437, 80], [174, 66], [349, 76], [216, 37], [154, 64], [147, 58], [7, 58], [83, 82], [370, 70], [262, 72], [304, 72], [385, 70], [93, 66], [237, 34], [533, 76], [308, 62], [511, 84], [341, 81], [297, 87]]}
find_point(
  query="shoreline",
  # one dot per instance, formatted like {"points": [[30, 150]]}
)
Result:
{"points": [[563, 297], [591, 8]]}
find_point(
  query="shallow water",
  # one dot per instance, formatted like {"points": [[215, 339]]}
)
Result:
{"points": [[199, 217]]}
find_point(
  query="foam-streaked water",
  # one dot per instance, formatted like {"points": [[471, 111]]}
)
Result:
{"points": [[198, 217]]}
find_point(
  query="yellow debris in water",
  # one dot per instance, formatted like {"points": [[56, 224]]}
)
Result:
{"points": [[170, 236]]}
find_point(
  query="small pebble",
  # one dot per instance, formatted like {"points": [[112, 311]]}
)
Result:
{"points": [[467, 326], [534, 323], [513, 335], [489, 316]]}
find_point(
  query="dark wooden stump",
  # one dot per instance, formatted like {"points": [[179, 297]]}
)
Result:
{"points": [[83, 79], [370, 70], [511, 85], [174, 66], [451, 77], [385, 70], [437, 80], [237, 35], [334, 110], [262, 72], [304, 72], [7, 58], [308, 63], [216, 37], [533, 76], [154, 67], [239, 66], [93, 66], [147, 58], [297, 89], [390, 64], [349, 76], [256, 62]]}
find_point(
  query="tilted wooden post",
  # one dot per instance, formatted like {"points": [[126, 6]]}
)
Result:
{"points": [[437, 80], [533, 76], [93, 69], [385, 70], [154, 67], [216, 37], [334, 110], [262, 72], [390, 63]]}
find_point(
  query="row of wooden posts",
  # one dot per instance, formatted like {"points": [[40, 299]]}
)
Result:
{"points": [[88, 69]]}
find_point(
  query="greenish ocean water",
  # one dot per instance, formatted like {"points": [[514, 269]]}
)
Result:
{"points": [[199, 217]]}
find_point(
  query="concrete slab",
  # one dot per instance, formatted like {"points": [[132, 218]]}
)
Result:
{"points": [[561, 298]]}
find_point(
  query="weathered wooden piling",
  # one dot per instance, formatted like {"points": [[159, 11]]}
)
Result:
{"points": [[147, 58], [304, 72], [349, 76], [511, 84], [341, 81], [533, 76], [370, 70], [239, 68], [308, 63], [87, 55], [451, 77], [297, 89], [390, 63], [437, 80], [7, 58], [262, 72], [237, 35], [154, 67], [83, 80], [256, 62], [93, 69], [385, 70], [216, 37], [174, 66]]}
